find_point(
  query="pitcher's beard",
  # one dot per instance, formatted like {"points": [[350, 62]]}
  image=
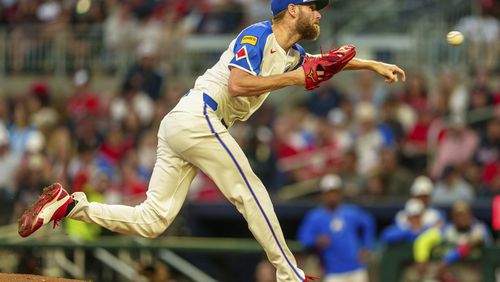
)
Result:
{"points": [[308, 31]]}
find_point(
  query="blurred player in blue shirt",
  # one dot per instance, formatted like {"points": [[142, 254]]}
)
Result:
{"points": [[413, 227], [342, 234]]}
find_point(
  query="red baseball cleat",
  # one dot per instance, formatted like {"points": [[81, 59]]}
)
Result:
{"points": [[310, 278], [51, 205]]}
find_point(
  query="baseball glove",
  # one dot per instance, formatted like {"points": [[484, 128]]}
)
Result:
{"points": [[330, 64]]}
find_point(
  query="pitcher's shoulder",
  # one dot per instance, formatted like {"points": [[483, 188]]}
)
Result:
{"points": [[255, 33]]}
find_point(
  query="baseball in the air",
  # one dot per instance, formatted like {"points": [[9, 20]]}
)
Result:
{"points": [[455, 37]]}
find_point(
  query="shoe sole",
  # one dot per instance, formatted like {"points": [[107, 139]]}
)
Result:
{"points": [[49, 202]]}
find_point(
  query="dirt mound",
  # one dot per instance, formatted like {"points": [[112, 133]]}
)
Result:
{"points": [[33, 278]]}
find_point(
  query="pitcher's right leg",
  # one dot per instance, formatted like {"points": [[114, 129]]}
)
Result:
{"points": [[166, 193]]}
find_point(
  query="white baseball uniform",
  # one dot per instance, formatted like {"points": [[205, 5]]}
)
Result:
{"points": [[194, 136]]}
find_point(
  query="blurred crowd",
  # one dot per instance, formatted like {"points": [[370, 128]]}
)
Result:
{"points": [[435, 141], [376, 138], [42, 27]]}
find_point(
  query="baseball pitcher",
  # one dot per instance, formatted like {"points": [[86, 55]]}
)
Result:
{"points": [[194, 135]]}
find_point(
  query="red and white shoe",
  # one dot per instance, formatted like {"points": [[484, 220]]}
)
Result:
{"points": [[51, 205], [310, 278]]}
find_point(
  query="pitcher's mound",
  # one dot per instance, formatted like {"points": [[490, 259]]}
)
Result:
{"points": [[33, 278]]}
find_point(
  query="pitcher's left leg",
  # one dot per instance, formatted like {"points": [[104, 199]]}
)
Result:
{"points": [[220, 157]]}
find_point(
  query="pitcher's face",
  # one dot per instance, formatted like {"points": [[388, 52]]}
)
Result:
{"points": [[308, 22]]}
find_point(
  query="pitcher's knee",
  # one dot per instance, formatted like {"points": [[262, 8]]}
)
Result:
{"points": [[154, 225], [153, 233]]}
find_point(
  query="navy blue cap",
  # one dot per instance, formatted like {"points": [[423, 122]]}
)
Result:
{"points": [[280, 5]]}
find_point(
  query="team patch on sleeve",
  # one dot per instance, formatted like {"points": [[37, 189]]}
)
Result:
{"points": [[241, 54], [249, 39], [249, 47]]}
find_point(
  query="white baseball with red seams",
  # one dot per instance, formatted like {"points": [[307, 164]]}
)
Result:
{"points": [[455, 37]]}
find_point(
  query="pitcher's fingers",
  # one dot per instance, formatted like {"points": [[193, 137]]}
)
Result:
{"points": [[401, 72], [390, 77]]}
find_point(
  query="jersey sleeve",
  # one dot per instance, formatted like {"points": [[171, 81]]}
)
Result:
{"points": [[248, 50], [302, 54]]}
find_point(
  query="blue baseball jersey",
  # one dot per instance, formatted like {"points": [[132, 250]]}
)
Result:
{"points": [[256, 51], [349, 228]]}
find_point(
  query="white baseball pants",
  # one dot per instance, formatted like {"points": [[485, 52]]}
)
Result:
{"points": [[192, 136]]}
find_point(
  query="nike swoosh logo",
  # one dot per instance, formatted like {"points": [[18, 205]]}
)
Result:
{"points": [[273, 51]]}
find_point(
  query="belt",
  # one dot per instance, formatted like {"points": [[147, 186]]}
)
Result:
{"points": [[213, 105], [210, 102]]}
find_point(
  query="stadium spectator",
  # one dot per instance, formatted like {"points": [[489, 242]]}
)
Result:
{"points": [[324, 99], [365, 89], [369, 139], [422, 189], [8, 170], [452, 89], [294, 142], [340, 122], [491, 190], [115, 145], [325, 154], [58, 151], [397, 178], [461, 238], [43, 116], [255, 10], [144, 76], [483, 35], [84, 22], [146, 153], [265, 272], [452, 187], [413, 212], [393, 118], [258, 149], [456, 148], [416, 92], [480, 108], [353, 182], [415, 147], [119, 29], [222, 16], [342, 234], [23, 137], [85, 102], [488, 150], [132, 100]]}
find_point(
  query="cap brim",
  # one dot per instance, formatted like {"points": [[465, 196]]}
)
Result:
{"points": [[320, 4]]}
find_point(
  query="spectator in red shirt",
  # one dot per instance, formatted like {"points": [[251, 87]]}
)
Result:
{"points": [[84, 102]]}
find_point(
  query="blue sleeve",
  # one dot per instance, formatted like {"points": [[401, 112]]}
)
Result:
{"points": [[366, 225], [302, 53], [249, 48], [395, 233], [308, 230]]}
